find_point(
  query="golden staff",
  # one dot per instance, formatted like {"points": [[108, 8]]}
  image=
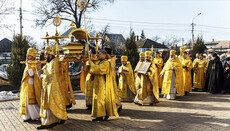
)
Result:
{"points": [[152, 51], [33, 62], [57, 22], [47, 40], [97, 43]]}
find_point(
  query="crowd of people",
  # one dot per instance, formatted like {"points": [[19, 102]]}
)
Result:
{"points": [[46, 92]]}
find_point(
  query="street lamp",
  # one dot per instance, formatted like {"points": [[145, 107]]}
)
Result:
{"points": [[193, 28]]}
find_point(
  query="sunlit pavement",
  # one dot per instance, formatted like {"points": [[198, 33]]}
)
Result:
{"points": [[199, 111]]}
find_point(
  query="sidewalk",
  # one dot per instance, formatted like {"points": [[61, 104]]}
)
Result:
{"points": [[198, 111]]}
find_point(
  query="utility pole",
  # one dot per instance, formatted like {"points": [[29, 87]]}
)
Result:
{"points": [[192, 34], [193, 28], [20, 16]]}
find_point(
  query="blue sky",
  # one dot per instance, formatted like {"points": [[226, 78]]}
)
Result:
{"points": [[165, 18], [177, 13]]}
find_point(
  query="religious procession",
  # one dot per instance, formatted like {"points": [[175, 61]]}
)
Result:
{"points": [[82, 76], [46, 92]]}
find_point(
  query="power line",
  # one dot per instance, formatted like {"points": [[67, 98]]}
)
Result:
{"points": [[140, 27], [214, 27], [169, 24], [125, 21]]}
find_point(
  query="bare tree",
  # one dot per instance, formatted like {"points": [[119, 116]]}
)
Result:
{"points": [[6, 8], [66, 9], [171, 41], [31, 42], [102, 33], [156, 38]]}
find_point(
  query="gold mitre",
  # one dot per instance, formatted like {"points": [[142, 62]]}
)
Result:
{"points": [[148, 53], [172, 52], [124, 58], [182, 48], [142, 54], [32, 52], [50, 50]]}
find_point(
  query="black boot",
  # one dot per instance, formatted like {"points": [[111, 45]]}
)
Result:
{"points": [[98, 119], [89, 108], [119, 109], [159, 90], [69, 106], [195, 89], [62, 122], [106, 118], [186, 93], [43, 127], [27, 120]]}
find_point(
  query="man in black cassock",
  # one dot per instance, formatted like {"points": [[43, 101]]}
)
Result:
{"points": [[214, 75]]}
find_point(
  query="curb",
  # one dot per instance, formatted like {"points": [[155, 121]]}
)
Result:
{"points": [[9, 99]]}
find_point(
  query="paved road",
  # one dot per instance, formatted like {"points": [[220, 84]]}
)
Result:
{"points": [[199, 111]]}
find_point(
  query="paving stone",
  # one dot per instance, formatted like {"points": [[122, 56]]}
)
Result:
{"points": [[198, 111]]}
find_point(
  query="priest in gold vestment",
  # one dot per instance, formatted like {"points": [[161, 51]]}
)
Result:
{"points": [[187, 78], [53, 106], [104, 104], [142, 59], [148, 91], [194, 74], [88, 81], [182, 49], [112, 61], [30, 91], [126, 88], [158, 63], [200, 67], [137, 77], [173, 77]]}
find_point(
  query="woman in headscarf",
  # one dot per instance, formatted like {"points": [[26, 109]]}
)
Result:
{"points": [[214, 75]]}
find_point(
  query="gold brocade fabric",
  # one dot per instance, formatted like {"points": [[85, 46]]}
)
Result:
{"points": [[137, 76], [65, 82], [89, 82], [103, 91], [154, 80], [52, 97], [63, 72], [159, 62], [126, 78], [200, 68], [112, 62], [34, 90], [187, 74], [180, 58], [168, 72], [83, 79], [84, 73], [195, 74]]}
